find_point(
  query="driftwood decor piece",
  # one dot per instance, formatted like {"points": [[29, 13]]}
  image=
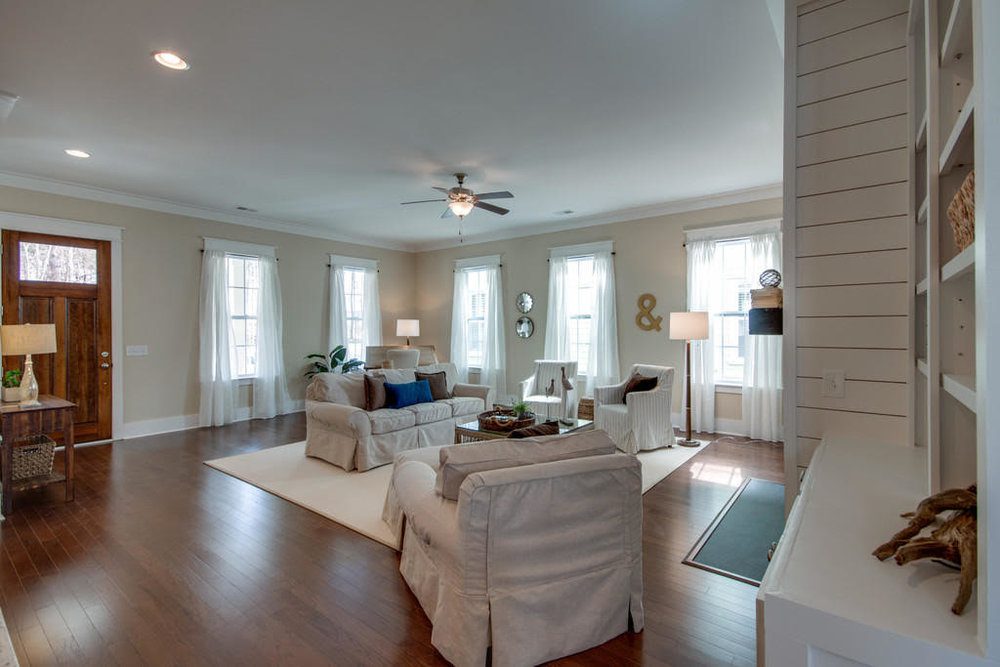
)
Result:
{"points": [[954, 540]]}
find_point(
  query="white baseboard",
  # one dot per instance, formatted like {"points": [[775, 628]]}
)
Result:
{"points": [[722, 426], [140, 429]]}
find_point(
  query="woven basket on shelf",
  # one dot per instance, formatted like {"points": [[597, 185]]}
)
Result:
{"points": [[585, 410], [33, 457], [962, 212], [503, 421]]}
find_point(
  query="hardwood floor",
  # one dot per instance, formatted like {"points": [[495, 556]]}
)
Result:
{"points": [[162, 560]]}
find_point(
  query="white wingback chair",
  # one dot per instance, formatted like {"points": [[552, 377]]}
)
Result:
{"points": [[548, 371], [640, 420]]}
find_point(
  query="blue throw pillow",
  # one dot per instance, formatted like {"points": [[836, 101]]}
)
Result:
{"points": [[411, 393]]}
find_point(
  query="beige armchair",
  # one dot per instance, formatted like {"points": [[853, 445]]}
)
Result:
{"points": [[538, 560], [641, 420], [549, 372]]}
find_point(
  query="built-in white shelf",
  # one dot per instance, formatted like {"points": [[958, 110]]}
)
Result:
{"points": [[958, 36], [958, 148], [922, 211], [921, 141], [922, 286], [962, 387], [922, 367], [963, 264]]}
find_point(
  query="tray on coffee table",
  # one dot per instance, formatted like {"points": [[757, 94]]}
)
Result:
{"points": [[470, 431]]}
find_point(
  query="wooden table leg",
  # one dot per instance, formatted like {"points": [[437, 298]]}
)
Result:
{"points": [[6, 470], [68, 451]]}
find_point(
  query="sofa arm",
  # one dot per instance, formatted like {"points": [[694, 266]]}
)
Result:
{"points": [[430, 517], [473, 391], [653, 405], [609, 395], [344, 418]]}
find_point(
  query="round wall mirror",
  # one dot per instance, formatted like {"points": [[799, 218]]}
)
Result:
{"points": [[524, 327], [524, 302]]}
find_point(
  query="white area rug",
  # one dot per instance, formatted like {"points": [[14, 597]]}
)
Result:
{"points": [[354, 499]]}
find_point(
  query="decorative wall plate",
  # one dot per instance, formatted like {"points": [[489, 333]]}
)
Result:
{"points": [[524, 327], [524, 302]]}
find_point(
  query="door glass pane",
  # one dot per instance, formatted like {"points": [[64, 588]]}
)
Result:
{"points": [[58, 263]]}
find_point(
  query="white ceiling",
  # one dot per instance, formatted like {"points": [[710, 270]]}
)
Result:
{"points": [[329, 114]]}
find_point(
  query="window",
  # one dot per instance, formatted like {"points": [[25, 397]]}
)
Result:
{"points": [[731, 321], [475, 323], [354, 299], [580, 309], [243, 282], [58, 263]]}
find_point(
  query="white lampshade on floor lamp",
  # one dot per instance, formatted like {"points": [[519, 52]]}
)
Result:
{"points": [[688, 326], [28, 339], [408, 328]]}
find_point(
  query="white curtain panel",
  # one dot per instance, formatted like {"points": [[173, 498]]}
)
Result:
{"points": [[270, 389], [703, 285], [762, 417], [371, 319], [215, 335], [493, 371], [602, 364]]}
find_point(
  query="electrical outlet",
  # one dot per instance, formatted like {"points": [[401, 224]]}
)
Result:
{"points": [[834, 384]]}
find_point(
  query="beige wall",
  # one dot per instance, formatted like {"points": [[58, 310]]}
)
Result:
{"points": [[649, 257], [162, 272]]}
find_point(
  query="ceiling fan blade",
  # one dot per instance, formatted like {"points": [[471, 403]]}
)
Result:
{"points": [[439, 189], [447, 213], [421, 201], [491, 208], [502, 194]]}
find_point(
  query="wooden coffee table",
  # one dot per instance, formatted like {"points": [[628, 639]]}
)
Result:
{"points": [[470, 431]]}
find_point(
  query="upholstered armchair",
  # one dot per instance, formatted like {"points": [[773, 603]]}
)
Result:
{"points": [[640, 420], [549, 372], [533, 547]]}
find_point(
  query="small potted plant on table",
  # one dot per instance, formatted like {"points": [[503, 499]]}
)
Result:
{"points": [[12, 386]]}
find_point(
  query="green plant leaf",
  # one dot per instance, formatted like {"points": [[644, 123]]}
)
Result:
{"points": [[338, 355], [315, 356]]}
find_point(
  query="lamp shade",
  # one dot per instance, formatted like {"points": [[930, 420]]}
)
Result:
{"points": [[20, 339], [407, 327], [689, 325]]}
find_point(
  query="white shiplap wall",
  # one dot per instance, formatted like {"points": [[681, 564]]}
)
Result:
{"points": [[847, 209]]}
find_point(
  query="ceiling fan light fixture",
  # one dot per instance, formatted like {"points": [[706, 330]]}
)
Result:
{"points": [[461, 207]]}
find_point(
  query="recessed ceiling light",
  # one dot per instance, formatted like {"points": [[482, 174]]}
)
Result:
{"points": [[170, 60], [76, 152], [246, 209], [566, 211]]}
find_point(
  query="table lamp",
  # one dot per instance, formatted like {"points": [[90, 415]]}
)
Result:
{"points": [[408, 328], [28, 339], [688, 326]]}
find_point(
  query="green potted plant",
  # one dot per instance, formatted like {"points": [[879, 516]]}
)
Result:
{"points": [[521, 409], [329, 363], [12, 386]]}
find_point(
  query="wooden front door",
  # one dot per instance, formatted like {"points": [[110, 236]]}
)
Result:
{"points": [[67, 282]]}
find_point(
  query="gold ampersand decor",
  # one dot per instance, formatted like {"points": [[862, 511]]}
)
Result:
{"points": [[645, 319]]}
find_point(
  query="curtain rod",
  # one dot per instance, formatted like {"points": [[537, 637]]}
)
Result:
{"points": [[613, 253], [235, 254]]}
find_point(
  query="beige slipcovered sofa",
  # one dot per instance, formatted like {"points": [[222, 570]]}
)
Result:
{"points": [[341, 431], [539, 557]]}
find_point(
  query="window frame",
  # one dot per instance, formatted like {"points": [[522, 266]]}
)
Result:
{"points": [[574, 319], [719, 346], [233, 356], [468, 309], [362, 266]]}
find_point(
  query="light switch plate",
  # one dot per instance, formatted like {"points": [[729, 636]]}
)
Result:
{"points": [[136, 350], [834, 384]]}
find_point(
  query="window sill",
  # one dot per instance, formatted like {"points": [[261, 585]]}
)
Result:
{"points": [[244, 381], [728, 389]]}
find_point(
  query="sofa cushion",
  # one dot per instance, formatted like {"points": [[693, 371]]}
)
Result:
{"points": [[374, 392], [438, 382], [427, 413], [411, 393], [388, 420], [460, 461], [398, 375], [343, 388], [462, 406]]}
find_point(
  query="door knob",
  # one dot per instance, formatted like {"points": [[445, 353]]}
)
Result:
{"points": [[105, 354], [105, 365]]}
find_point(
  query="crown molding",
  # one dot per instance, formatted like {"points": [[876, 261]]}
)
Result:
{"points": [[67, 189], [733, 197]]}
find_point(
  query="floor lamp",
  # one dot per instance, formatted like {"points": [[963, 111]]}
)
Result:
{"points": [[688, 326]]}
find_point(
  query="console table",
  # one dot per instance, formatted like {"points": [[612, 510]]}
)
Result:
{"points": [[53, 414]]}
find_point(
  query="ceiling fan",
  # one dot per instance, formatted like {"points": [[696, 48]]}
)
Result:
{"points": [[461, 200]]}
